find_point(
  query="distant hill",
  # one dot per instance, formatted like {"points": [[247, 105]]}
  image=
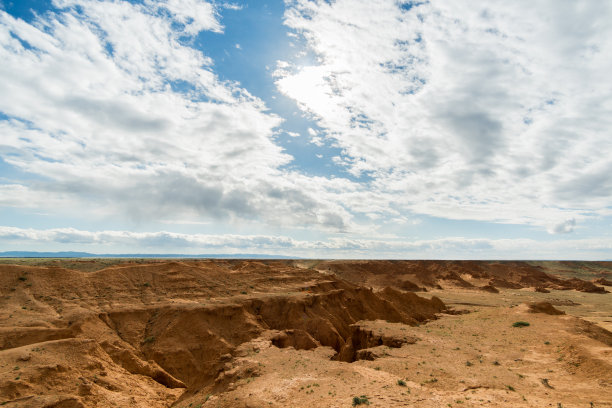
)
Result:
{"points": [[71, 254]]}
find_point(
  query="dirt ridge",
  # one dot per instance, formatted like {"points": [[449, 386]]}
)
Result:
{"points": [[169, 321]]}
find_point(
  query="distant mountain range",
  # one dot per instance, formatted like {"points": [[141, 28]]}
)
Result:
{"points": [[71, 254]]}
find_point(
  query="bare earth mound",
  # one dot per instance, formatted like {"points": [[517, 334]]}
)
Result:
{"points": [[290, 333], [488, 275], [544, 307]]}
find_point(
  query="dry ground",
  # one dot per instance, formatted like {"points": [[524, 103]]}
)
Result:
{"points": [[80, 333], [467, 360]]}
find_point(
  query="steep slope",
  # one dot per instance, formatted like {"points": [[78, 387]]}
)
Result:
{"points": [[152, 332]]}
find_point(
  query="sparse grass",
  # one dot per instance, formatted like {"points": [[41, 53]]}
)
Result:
{"points": [[401, 383], [362, 400], [520, 324], [149, 339], [511, 388], [545, 382], [469, 363], [22, 278]]}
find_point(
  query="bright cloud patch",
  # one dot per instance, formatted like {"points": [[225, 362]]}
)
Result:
{"points": [[460, 109], [118, 115]]}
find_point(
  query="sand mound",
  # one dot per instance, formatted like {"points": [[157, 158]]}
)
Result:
{"points": [[583, 286], [602, 281], [544, 307], [489, 288], [411, 286]]}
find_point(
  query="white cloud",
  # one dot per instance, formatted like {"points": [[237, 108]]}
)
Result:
{"points": [[563, 227], [315, 139], [283, 69], [118, 116], [195, 15], [491, 111], [163, 241], [231, 6]]}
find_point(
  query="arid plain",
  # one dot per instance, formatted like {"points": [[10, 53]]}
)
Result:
{"points": [[298, 333]]}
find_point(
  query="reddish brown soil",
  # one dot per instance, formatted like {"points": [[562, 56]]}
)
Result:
{"points": [[602, 281], [287, 333], [544, 307], [414, 275]]}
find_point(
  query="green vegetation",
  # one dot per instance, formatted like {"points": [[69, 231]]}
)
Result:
{"points": [[401, 383], [361, 400], [520, 324], [149, 339]]}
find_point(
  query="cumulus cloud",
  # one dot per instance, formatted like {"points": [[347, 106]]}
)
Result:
{"points": [[464, 109], [563, 227], [114, 111]]}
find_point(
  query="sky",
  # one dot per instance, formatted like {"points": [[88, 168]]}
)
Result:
{"points": [[442, 129]]}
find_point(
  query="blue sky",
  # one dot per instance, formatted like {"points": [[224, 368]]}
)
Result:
{"points": [[378, 129]]}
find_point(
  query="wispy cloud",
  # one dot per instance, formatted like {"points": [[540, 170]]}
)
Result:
{"points": [[464, 109], [445, 248]]}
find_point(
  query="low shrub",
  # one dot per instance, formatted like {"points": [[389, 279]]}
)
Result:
{"points": [[363, 400]]}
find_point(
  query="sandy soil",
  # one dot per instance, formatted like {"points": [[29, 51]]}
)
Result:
{"points": [[87, 333]]}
